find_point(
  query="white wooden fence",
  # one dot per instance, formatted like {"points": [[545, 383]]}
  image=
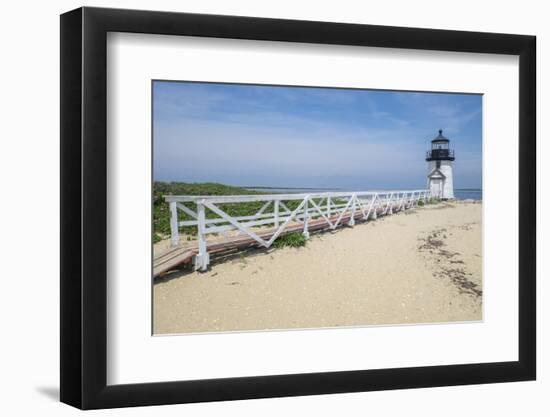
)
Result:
{"points": [[331, 207]]}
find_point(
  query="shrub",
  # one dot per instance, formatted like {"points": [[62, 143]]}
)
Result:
{"points": [[161, 209], [420, 203], [432, 200], [156, 238], [292, 240]]}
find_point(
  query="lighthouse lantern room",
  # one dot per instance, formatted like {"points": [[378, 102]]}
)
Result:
{"points": [[440, 167]]}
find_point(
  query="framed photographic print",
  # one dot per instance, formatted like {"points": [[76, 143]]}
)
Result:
{"points": [[257, 208]]}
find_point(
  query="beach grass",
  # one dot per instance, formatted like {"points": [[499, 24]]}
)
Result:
{"points": [[291, 240]]}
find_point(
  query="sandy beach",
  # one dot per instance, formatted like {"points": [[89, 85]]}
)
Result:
{"points": [[422, 265]]}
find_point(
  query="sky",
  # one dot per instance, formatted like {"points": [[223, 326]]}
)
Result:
{"points": [[274, 136]]}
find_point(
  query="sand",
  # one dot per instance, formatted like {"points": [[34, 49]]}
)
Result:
{"points": [[419, 266]]}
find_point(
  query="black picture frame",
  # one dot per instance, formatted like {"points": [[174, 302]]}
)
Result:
{"points": [[84, 207]]}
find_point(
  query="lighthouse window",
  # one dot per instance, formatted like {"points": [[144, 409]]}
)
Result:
{"points": [[438, 164]]}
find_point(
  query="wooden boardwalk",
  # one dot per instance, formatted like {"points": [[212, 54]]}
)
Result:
{"points": [[176, 257]]}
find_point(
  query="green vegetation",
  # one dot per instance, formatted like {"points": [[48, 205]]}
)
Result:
{"points": [[156, 237], [292, 240], [161, 209], [433, 200]]}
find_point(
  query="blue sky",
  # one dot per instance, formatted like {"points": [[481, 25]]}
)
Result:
{"points": [[310, 137]]}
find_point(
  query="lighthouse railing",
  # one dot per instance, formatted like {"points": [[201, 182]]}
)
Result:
{"points": [[281, 213], [440, 153]]}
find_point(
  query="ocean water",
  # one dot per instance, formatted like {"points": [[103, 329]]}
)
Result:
{"points": [[469, 194], [460, 194]]}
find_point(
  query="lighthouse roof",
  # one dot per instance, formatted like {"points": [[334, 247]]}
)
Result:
{"points": [[440, 137], [436, 173]]}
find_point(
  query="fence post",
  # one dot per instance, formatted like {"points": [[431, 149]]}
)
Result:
{"points": [[276, 213], [202, 259], [306, 219], [328, 207], [374, 214], [352, 218], [174, 232]]}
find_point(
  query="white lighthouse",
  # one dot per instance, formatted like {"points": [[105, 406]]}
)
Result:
{"points": [[440, 167]]}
